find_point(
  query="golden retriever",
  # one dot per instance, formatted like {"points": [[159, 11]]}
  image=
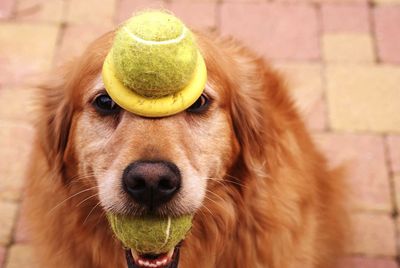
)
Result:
{"points": [[261, 193]]}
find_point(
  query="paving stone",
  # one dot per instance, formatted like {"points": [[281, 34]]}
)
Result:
{"points": [[363, 157], [22, 232], [393, 142], [324, 1], [373, 234], [3, 252], [8, 214], [17, 104], [364, 98], [345, 18], [381, 2], [40, 10], [199, 15], [15, 158], [396, 180], [240, 1], [21, 255], [356, 48], [71, 46], [365, 262], [387, 30], [6, 8], [25, 50], [273, 29], [126, 8], [83, 12], [305, 84]]}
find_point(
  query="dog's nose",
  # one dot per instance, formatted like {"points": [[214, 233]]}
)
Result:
{"points": [[151, 183]]}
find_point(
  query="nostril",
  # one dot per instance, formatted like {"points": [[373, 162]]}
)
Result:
{"points": [[137, 184], [166, 184]]}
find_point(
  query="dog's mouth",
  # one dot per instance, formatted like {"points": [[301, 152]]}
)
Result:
{"points": [[165, 260]]}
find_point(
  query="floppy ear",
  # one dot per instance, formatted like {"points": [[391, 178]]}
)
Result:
{"points": [[248, 115], [54, 121], [255, 89]]}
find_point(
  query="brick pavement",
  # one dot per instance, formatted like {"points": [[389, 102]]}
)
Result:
{"points": [[341, 59]]}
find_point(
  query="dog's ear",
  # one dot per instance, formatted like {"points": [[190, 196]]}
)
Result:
{"points": [[248, 115], [255, 89], [55, 120]]}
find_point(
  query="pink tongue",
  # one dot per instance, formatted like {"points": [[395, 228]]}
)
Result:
{"points": [[149, 260], [159, 262]]}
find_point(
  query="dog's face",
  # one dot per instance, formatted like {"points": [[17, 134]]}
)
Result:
{"points": [[152, 165]]}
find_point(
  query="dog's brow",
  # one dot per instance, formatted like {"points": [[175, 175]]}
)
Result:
{"points": [[98, 83]]}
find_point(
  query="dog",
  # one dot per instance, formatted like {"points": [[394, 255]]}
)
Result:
{"points": [[240, 159]]}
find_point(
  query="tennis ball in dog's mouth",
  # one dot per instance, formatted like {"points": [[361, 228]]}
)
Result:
{"points": [[150, 234], [154, 54]]}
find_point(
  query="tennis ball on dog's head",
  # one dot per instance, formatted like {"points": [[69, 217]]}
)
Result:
{"points": [[154, 54], [150, 234], [154, 67]]}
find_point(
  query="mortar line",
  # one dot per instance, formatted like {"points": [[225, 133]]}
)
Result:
{"points": [[371, 22], [324, 80], [393, 196]]}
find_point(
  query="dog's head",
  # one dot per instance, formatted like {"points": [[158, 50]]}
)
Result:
{"points": [[166, 166]]}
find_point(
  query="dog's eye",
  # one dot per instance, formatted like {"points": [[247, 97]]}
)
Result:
{"points": [[105, 105], [200, 105]]}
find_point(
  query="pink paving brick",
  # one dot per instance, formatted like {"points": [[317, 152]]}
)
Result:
{"points": [[71, 46], [21, 234], [315, 119], [15, 159], [364, 158], [125, 8], [345, 18], [2, 256], [40, 10], [372, 234], [393, 143], [21, 60], [6, 8], [387, 21], [365, 262], [200, 15], [272, 29]]}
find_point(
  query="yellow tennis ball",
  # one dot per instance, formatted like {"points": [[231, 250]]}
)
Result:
{"points": [[154, 54], [150, 234]]}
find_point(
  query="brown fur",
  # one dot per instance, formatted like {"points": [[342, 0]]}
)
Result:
{"points": [[270, 201]]}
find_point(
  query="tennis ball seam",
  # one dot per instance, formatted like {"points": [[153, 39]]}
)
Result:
{"points": [[158, 63], [167, 232], [153, 42]]}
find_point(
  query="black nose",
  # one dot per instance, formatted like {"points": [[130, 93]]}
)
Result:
{"points": [[151, 183]]}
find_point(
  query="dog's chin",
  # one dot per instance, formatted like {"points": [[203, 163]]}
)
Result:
{"points": [[168, 259]]}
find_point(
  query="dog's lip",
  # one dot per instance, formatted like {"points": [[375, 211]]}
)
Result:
{"points": [[166, 260]]}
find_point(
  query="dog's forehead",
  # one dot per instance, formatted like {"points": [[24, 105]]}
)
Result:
{"points": [[97, 84]]}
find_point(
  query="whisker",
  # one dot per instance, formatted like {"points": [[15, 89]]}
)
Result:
{"points": [[72, 196], [214, 194], [204, 206], [94, 207], [81, 177], [84, 200], [218, 204], [217, 181], [237, 180]]}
